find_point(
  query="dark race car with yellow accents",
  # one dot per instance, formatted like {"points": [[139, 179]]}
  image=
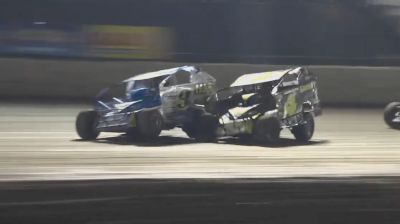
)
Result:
{"points": [[146, 104], [258, 106]]}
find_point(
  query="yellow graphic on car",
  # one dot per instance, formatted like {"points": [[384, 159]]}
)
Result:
{"points": [[307, 87], [132, 121], [291, 105]]}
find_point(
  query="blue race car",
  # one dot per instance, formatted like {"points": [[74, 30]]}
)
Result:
{"points": [[144, 105]]}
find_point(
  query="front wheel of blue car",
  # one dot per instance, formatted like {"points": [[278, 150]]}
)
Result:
{"points": [[149, 124], [85, 124]]}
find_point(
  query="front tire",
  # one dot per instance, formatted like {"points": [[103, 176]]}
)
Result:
{"points": [[267, 131], [149, 124], [202, 129], [86, 123], [392, 111], [304, 132]]}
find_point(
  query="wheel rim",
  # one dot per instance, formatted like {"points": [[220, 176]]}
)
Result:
{"points": [[396, 117]]}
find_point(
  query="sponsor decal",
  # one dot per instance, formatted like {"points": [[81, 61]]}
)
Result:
{"points": [[128, 42]]}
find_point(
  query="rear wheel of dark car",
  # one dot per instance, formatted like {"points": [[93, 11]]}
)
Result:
{"points": [[304, 131], [392, 115], [202, 128], [267, 131], [85, 124], [149, 124]]}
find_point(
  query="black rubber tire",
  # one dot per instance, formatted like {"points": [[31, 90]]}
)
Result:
{"points": [[389, 114], [85, 124], [304, 131], [267, 131], [133, 134], [245, 138], [208, 125], [190, 130], [202, 129], [149, 124]]}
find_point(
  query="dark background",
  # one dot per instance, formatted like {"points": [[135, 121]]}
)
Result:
{"points": [[248, 31]]}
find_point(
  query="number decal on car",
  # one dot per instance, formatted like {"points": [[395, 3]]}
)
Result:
{"points": [[202, 88], [291, 105]]}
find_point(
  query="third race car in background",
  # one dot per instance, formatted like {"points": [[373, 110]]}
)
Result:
{"points": [[392, 115], [258, 106]]}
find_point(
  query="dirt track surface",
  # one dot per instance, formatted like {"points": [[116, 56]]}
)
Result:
{"points": [[257, 201], [38, 142]]}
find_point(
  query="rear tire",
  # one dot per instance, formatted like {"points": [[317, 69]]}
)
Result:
{"points": [[202, 129], [149, 124], [86, 123], [390, 113], [267, 131], [190, 130], [304, 132]]}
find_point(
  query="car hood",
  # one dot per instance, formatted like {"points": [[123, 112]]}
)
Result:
{"points": [[164, 72], [122, 106], [256, 78]]}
